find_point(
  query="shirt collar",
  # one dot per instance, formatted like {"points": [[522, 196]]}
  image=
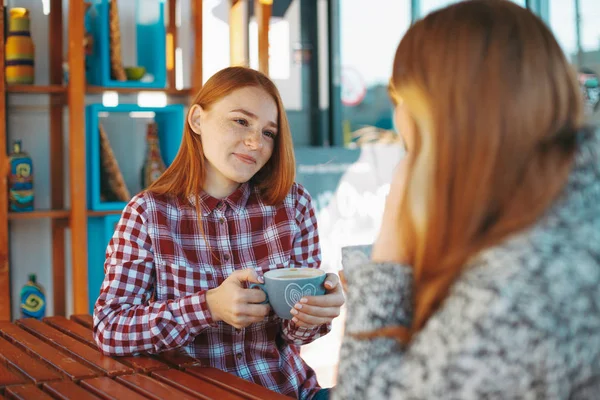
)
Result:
{"points": [[236, 200]]}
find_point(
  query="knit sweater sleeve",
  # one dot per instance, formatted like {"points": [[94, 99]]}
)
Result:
{"points": [[465, 350]]}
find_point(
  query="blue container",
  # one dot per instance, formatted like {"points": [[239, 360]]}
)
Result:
{"points": [[150, 44], [170, 121], [100, 231]]}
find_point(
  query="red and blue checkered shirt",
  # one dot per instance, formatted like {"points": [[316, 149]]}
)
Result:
{"points": [[159, 266]]}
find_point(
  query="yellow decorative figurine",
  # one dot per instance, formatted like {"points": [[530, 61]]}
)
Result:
{"points": [[20, 51]]}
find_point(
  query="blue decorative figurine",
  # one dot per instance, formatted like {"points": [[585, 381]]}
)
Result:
{"points": [[33, 300], [20, 179]]}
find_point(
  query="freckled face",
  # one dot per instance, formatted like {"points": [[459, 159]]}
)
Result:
{"points": [[238, 137]]}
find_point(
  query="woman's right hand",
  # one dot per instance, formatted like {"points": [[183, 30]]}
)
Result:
{"points": [[235, 305]]}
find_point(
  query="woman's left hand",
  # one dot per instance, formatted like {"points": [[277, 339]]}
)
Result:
{"points": [[312, 311]]}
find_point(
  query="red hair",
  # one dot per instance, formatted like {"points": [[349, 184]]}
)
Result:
{"points": [[495, 107]]}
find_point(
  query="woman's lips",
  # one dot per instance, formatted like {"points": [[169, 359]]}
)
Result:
{"points": [[245, 158]]}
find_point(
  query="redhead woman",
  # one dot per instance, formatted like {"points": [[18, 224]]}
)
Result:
{"points": [[484, 281], [226, 211]]}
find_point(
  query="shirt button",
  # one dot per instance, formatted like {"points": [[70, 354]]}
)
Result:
{"points": [[239, 356], [222, 220], [226, 257]]}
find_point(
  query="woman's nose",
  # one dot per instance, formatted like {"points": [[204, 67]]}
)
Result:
{"points": [[253, 140]]}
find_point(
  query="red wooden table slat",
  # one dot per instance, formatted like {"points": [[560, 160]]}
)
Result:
{"points": [[74, 347], [68, 366], [72, 329], [152, 388], [143, 364], [66, 390], [106, 388], [178, 360], [235, 384], [84, 319], [194, 386], [26, 392], [8, 377], [25, 364]]}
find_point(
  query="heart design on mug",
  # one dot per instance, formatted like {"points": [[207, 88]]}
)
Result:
{"points": [[294, 292]]}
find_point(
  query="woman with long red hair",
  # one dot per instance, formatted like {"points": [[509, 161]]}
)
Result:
{"points": [[226, 211], [484, 281]]}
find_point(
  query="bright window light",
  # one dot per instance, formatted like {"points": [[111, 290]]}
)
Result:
{"points": [[178, 68], [152, 99], [46, 7], [142, 114], [178, 15], [110, 99]]}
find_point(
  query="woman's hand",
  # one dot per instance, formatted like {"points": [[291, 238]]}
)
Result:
{"points": [[312, 311], [389, 246], [232, 303]]}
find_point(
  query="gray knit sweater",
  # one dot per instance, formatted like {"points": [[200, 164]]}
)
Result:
{"points": [[522, 322]]}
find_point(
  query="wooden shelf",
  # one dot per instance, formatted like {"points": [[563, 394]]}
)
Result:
{"points": [[91, 213], [50, 89], [36, 214], [170, 91], [36, 89]]}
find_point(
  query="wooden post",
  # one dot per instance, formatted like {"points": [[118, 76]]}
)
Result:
{"points": [[55, 41], [262, 11], [171, 43], [238, 32], [197, 62], [77, 167], [5, 306]]}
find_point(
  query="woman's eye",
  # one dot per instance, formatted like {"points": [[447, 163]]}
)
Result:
{"points": [[269, 134], [241, 121]]}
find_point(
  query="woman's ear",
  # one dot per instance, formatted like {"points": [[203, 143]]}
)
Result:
{"points": [[194, 117]]}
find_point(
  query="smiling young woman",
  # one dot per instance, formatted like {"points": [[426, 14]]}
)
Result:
{"points": [[226, 211]]}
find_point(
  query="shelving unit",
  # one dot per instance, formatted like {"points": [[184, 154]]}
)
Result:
{"points": [[5, 308], [36, 89], [60, 96], [71, 96], [168, 91], [53, 214]]}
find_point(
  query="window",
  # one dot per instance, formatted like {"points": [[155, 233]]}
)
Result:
{"points": [[575, 25], [368, 40], [427, 6]]}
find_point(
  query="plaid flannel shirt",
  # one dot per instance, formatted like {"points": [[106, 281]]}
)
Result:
{"points": [[158, 268]]}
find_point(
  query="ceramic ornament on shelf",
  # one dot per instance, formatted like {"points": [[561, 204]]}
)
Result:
{"points": [[112, 184], [20, 180], [116, 59], [20, 51], [154, 165]]}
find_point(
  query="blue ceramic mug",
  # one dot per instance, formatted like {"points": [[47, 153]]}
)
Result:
{"points": [[285, 287]]}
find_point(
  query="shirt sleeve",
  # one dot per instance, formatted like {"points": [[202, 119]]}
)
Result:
{"points": [[127, 320], [306, 252], [466, 350]]}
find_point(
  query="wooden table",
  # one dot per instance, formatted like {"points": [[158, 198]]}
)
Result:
{"points": [[57, 358]]}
